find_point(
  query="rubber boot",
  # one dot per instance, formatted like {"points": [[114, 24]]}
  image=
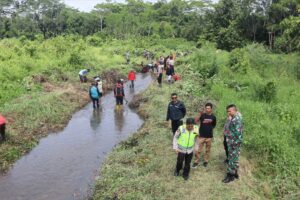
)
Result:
{"points": [[229, 177]]}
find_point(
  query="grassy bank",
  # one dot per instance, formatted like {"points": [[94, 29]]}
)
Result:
{"points": [[259, 82], [142, 167], [39, 82]]}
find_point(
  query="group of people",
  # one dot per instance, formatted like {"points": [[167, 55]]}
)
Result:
{"points": [[190, 139], [96, 91], [96, 88], [163, 65]]}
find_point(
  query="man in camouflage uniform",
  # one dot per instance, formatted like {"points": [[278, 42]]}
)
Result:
{"points": [[233, 133]]}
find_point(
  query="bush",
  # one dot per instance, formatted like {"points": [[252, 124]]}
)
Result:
{"points": [[267, 92], [239, 61]]}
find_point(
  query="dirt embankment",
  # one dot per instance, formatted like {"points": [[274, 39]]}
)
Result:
{"points": [[136, 103]]}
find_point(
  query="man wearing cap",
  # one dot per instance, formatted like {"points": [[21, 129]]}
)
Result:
{"points": [[183, 144]]}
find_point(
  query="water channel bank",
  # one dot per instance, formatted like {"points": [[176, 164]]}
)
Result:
{"points": [[63, 165]]}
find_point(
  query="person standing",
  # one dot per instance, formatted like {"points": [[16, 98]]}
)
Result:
{"points": [[83, 75], [99, 84], [127, 57], [234, 139], [2, 127], [169, 73], [226, 128], [183, 144], [119, 94], [94, 95], [208, 122], [176, 112], [171, 64], [131, 78], [160, 71]]}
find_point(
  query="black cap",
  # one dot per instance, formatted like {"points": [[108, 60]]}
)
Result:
{"points": [[190, 121]]}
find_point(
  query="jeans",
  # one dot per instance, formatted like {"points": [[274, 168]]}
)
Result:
{"points": [[95, 102], [119, 100], [132, 84]]}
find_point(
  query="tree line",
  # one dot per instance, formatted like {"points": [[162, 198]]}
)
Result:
{"points": [[229, 23]]}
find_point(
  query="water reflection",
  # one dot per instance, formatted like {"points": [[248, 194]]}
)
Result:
{"points": [[131, 90], [95, 120], [119, 119]]}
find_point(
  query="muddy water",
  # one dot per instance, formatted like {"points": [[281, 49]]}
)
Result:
{"points": [[64, 165]]}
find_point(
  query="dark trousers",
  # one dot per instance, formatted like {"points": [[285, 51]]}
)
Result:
{"points": [[83, 79], [159, 79], [175, 125], [225, 147], [119, 100], [95, 102], [2, 131], [132, 84], [186, 158]]}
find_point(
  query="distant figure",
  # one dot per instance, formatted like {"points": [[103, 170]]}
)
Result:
{"points": [[150, 66], [171, 62], [234, 137], [131, 78], [169, 74], [144, 68], [183, 144], [127, 56], [160, 71], [94, 95], [208, 122], [176, 112], [99, 84], [2, 127], [145, 53], [119, 94], [83, 75]]}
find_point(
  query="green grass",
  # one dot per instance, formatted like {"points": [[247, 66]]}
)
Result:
{"points": [[142, 167], [270, 154], [36, 75]]}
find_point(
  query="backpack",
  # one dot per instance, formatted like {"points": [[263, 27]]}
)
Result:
{"points": [[119, 90], [94, 92]]}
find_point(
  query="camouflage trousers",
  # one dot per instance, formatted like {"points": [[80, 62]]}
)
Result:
{"points": [[234, 150]]}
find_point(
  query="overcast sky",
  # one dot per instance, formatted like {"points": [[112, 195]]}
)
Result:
{"points": [[88, 5]]}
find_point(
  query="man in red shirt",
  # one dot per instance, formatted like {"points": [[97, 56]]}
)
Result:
{"points": [[131, 77], [2, 127]]}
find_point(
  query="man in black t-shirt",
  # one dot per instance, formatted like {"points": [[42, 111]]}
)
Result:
{"points": [[207, 123]]}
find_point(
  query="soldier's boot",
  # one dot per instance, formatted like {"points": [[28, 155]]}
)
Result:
{"points": [[236, 175], [229, 177]]}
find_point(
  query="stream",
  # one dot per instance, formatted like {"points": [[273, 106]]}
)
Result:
{"points": [[64, 165]]}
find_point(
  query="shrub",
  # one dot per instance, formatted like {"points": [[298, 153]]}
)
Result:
{"points": [[239, 62], [267, 92]]}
